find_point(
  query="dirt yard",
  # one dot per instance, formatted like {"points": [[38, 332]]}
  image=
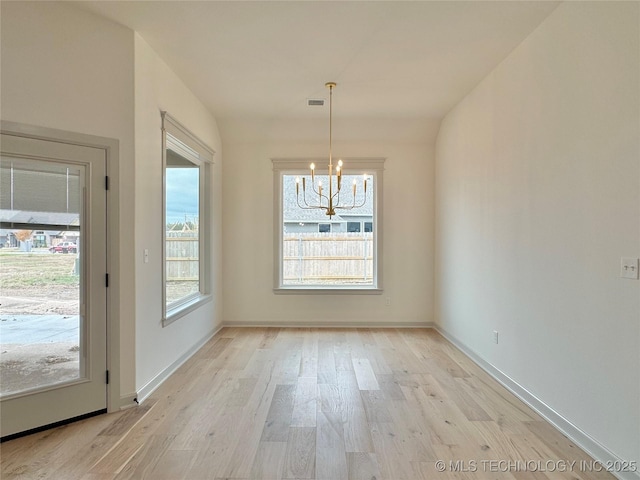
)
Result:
{"points": [[28, 366], [38, 283], [38, 301]]}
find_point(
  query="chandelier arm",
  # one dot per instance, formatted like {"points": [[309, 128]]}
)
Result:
{"points": [[351, 207], [304, 198], [314, 190], [309, 207], [313, 186], [325, 197], [361, 205]]}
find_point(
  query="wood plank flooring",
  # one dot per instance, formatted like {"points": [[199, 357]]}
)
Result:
{"points": [[306, 403]]}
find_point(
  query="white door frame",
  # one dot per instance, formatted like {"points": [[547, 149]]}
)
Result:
{"points": [[111, 147]]}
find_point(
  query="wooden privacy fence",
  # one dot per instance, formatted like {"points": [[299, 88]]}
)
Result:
{"points": [[308, 258], [345, 258], [182, 253]]}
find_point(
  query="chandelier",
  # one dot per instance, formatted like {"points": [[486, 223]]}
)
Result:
{"points": [[329, 202]]}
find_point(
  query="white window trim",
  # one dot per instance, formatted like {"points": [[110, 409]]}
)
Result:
{"points": [[297, 166], [202, 156]]}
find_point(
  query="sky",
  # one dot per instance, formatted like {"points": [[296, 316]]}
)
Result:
{"points": [[182, 194]]}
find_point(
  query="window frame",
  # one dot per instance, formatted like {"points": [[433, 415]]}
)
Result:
{"points": [[202, 157], [353, 166]]}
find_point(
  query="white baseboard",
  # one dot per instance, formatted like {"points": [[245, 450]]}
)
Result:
{"points": [[323, 324], [156, 381], [575, 434], [128, 401]]}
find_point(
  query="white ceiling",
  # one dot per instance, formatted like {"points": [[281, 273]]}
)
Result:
{"points": [[396, 63]]}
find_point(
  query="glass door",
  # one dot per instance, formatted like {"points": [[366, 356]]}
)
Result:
{"points": [[52, 282]]}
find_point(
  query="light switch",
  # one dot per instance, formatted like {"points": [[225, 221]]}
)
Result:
{"points": [[629, 267], [146, 255]]}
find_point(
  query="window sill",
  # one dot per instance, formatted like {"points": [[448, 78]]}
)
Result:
{"points": [[312, 290], [183, 309]]}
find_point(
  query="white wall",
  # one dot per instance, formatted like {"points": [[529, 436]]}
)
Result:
{"points": [[248, 237], [158, 88], [537, 199], [70, 70]]}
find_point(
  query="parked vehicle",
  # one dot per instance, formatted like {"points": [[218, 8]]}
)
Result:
{"points": [[64, 247]]}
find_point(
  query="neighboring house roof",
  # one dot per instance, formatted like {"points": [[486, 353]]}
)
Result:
{"points": [[293, 213], [52, 218]]}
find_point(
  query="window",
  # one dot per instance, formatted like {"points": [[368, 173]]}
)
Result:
{"points": [[368, 226], [186, 164], [353, 227], [339, 256]]}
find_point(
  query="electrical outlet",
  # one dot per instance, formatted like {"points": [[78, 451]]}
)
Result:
{"points": [[387, 301], [629, 268], [495, 336]]}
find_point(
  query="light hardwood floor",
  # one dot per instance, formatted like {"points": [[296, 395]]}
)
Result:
{"points": [[304, 403]]}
